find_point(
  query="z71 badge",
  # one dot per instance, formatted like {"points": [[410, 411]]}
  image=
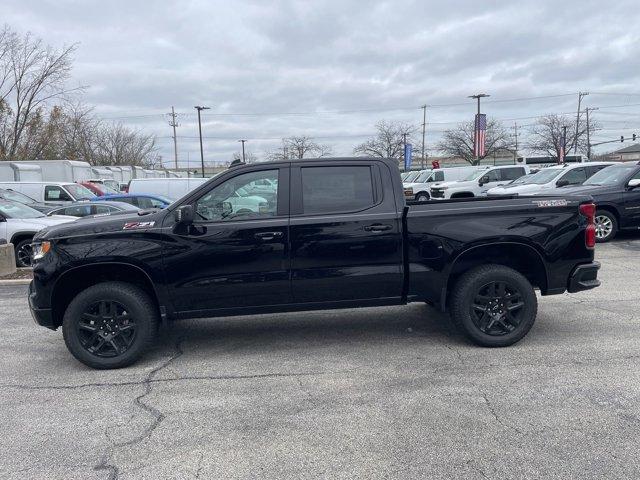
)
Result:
{"points": [[551, 203], [135, 225]]}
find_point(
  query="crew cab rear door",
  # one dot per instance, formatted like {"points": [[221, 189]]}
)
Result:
{"points": [[345, 229], [235, 253]]}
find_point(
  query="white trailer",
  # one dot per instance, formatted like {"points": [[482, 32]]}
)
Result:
{"points": [[102, 173], [61, 170], [6, 172], [26, 173]]}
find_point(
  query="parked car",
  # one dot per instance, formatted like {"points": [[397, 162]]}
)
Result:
{"points": [[478, 182], [337, 235], [18, 224], [110, 183], [616, 193], [85, 209], [140, 201], [172, 188], [98, 189], [558, 176], [25, 200], [418, 189], [53, 193]]}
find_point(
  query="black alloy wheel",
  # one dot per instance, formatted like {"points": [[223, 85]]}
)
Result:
{"points": [[497, 308], [106, 329], [24, 250]]}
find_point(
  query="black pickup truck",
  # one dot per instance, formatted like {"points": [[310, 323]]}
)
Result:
{"points": [[304, 235]]}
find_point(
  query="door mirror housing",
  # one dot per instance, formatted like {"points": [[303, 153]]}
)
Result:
{"points": [[483, 180], [184, 215], [634, 183], [562, 183]]}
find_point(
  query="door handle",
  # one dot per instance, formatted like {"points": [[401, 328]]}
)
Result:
{"points": [[377, 227], [268, 235]]}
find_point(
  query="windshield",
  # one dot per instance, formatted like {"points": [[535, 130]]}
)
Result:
{"points": [[16, 196], [411, 176], [423, 176], [540, 178], [474, 175], [611, 175], [79, 192], [17, 210]]}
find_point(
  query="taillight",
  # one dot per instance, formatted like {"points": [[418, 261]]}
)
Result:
{"points": [[589, 211]]}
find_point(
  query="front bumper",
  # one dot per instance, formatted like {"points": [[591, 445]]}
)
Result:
{"points": [[584, 277], [42, 316]]}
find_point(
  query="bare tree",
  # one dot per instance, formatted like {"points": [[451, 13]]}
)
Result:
{"points": [[546, 135], [31, 75], [299, 147], [249, 157], [116, 144], [458, 142], [388, 142]]}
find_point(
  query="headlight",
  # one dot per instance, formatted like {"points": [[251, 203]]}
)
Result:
{"points": [[41, 249]]}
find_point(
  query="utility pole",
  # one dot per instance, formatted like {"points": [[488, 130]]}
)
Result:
{"points": [[199, 109], [404, 147], [564, 144], [174, 124], [580, 95], [424, 127], [515, 153], [243, 142], [476, 150], [587, 110]]}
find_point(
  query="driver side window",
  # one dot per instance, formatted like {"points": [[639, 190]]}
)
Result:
{"points": [[238, 198]]}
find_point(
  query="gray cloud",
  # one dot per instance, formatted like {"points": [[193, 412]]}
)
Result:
{"points": [[139, 58]]}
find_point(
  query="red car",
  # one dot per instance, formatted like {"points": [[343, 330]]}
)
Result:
{"points": [[98, 188]]}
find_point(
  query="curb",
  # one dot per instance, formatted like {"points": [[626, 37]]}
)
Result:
{"points": [[15, 281]]}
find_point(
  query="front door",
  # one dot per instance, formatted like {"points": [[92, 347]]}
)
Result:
{"points": [[346, 240], [631, 199], [235, 254]]}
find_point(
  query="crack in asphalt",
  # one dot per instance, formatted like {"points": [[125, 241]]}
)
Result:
{"points": [[106, 462], [495, 415]]}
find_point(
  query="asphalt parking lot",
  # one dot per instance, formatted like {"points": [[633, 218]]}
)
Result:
{"points": [[371, 393]]}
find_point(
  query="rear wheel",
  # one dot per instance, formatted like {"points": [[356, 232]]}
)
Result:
{"points": [[23, 253], [606, 226], [495, 306], [109, 325]]}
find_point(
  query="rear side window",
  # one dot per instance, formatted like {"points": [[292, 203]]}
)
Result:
{"points": [[336, 189], [512, 173], [102, 209], [575, 176], [591, 169]]}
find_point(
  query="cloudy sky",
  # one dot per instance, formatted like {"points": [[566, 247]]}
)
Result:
{"points": [[332, 69]]}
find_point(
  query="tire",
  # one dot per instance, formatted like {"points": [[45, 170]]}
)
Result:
{"points": [[422, 197], [606, 226], [23, 253], [504, 325], [128, 320]]}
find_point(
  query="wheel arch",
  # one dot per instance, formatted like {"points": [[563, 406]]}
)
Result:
{"points": [[609, 208], [76, 279], [19, 236], [520, 256]]}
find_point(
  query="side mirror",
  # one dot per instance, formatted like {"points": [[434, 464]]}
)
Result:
{"points": [[484, 180], [562, 183], [633, 183], [184, 215]]}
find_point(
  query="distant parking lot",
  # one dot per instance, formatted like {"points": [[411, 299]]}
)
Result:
{"points": [[374, 393]]}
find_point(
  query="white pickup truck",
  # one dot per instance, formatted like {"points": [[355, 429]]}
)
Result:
{"points": [[477, 183]]}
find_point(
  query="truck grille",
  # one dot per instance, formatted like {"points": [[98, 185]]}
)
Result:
{"points": [[437, 193]]}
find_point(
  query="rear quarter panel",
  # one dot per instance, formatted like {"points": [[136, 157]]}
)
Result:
{"points": [[439, 232]]}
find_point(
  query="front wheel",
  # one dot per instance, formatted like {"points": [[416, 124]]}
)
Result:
{"points": [[23, 253], [422, 197], [606, 226], [109, 325], [495, 306]]}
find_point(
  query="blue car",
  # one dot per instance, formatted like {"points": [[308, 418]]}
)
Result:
{"points": [[140, 200]]}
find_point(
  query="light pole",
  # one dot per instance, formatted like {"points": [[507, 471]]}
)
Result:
{"points": [[476, 150], [243, 142], [199, 109]]}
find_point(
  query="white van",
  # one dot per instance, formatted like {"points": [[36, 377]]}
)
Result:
{"points": [[478, 182], [418, 189], [50, 192], [172, 188]]}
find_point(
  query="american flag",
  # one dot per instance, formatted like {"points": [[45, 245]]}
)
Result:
{"points": [[563, 142], [480, 135]]}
